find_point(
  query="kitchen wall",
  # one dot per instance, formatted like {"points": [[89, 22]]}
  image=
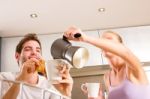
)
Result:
{"points": [[0, 53], [136, 38]]}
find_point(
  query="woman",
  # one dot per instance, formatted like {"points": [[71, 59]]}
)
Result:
{"points": [[126, 79]]}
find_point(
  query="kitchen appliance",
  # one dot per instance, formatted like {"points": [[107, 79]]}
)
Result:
{"points": [[63, 49]]}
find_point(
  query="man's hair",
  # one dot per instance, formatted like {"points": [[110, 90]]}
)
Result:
{"points": [[26, 38]]}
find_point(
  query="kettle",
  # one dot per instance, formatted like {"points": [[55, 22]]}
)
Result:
{"points": [[63, 49]]}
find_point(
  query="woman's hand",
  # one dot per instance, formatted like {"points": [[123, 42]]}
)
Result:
{"points": [[71, 31], [65, 85], [100, 94]]}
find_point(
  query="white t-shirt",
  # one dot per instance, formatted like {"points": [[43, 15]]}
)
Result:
{"points": [[28, 92]]}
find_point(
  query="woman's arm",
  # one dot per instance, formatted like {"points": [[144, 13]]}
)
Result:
{"points": [[135, 70]]}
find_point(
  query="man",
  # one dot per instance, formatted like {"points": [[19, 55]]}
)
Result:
{"points": [[28, 54]]}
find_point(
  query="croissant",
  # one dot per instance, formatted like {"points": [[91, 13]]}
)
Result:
{"points": [[41, 68]]}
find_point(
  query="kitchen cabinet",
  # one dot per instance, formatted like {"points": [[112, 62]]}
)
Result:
{"points": [[46, 42], [8, 61], [135, 38]]}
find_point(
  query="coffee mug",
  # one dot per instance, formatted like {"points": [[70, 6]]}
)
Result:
{"points": [[52, 71], [92, 89]]}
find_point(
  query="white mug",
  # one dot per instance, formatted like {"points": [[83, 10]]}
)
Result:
{"points": [[52, 71], [91, 88]]}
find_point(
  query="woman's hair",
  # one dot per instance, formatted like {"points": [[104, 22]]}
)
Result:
{"points": [[116, 34]]}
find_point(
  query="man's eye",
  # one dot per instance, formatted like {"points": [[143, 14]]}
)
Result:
{"points": [[27, 49], [39, 51]]}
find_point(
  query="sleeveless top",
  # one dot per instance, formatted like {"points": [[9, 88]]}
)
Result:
{"points": [[128, 90]]}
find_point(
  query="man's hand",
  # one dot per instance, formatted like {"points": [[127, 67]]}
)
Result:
{"points": [[28, 71]]}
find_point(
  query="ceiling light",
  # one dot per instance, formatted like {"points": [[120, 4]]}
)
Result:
{"points": [[34, 15], [101, 9]]}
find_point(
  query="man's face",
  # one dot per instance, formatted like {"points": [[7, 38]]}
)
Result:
{"points": [[31, 49]]}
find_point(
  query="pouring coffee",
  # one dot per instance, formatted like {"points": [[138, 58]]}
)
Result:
{"points": [[63, 49]]}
